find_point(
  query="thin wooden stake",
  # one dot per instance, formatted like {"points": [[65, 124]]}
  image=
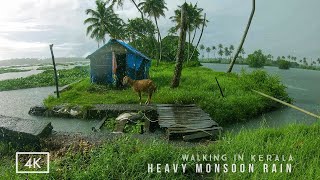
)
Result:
{"points": [[287, 104], [55, 72], [219, 87]]}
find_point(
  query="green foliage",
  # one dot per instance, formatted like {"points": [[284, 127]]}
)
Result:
{"points": [[257, 59], [146, 45], [170, 48], [103, 20], [128, 157], [46, 78], [197, 87], [283, 64]]}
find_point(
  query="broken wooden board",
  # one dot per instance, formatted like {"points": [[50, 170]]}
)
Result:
{"points": [[186, 121]]}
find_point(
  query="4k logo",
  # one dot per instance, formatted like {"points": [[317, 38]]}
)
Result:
{"points": [[32, 162]]}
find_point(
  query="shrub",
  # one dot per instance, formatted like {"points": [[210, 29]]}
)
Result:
{"points": [[283, 64], [257, 59]]}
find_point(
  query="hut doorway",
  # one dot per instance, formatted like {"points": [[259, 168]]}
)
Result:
{"points": [[121, 69]]}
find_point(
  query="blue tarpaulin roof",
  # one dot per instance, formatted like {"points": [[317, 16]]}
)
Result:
{"points": [[125, 45]]}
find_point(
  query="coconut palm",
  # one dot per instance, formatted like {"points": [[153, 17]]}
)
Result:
{"points": [[231, 48], [202, 48], [227, 52], [194, 20], [155, 9], [214, 51], [103, 21], [208, 49]]}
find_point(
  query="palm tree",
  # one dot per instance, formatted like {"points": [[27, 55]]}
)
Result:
{"points": [[194, 20], [155, 9], [226, 52], [208, 51], [220, 52], [214, 51], [103, 21], [231, 48], [202, 48]]}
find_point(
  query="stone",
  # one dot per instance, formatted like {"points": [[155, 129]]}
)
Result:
{"points": [[37, 110], [24, 131]]}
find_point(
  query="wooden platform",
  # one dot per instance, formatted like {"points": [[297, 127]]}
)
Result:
{"points": [[186, 121], [180, 121]]}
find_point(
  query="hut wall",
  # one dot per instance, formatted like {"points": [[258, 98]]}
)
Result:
{"points": [[101, 68]]}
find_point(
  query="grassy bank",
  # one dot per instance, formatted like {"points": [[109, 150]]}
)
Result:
{"points": [[45, 78], [198, 86], [127, 158]]}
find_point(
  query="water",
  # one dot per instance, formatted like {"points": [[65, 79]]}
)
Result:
{"points": [[32, 71], [17, 103], [302, 85], [14, 75]]}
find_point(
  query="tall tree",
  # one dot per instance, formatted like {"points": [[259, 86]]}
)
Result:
{"points": [[202, 48], [226, 52], [231, 48], [103, 21], [243, 37], [220, 52], [155, 9], [194, 20], [214, 51], [180, 54], [208, 49]]}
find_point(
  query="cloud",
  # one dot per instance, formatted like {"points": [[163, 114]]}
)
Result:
{"points": [[279, 27]]}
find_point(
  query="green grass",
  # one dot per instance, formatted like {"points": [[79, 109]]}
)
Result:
{"points": [[7, 70], [45, 78], [197, 86], [127, 158]]}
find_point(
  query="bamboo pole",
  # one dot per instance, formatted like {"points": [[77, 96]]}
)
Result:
{"points": [[287, 104], [55, 72]]}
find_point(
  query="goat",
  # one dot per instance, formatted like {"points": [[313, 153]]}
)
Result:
{"points": [[144, 85]]}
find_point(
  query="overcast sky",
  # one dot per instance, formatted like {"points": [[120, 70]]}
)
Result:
{"points": [[280, 27]]}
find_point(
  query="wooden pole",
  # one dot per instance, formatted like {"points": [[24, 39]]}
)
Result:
{"points": [[55, 72], [219, 87], [287, 104]]}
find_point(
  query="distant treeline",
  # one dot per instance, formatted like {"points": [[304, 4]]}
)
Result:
{"points": [[36, 61]]}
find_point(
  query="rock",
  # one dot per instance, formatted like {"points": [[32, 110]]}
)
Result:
{"points": [[23, 131], [37, 110]]}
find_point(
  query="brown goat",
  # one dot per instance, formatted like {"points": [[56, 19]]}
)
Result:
{"points": [[139, 86]]}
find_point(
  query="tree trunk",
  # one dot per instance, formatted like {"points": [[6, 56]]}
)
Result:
{"points": [[194, 35], [135, 4], [180, 54], [204, 22], [189, 39], [160, 44], [243, 37]]}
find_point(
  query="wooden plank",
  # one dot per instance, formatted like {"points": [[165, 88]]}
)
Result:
{"points": [[100, 123], [197, 136], [193, 130], [188, 123]]}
